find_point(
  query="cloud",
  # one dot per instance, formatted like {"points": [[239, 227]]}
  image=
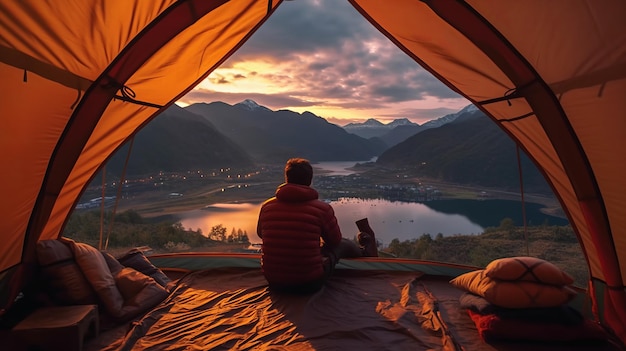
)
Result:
{"points": [[305, 26], [325, 57]]}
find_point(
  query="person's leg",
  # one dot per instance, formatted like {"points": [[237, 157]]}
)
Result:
{"points": [[330, 258], [345, 249], [348, 249]]}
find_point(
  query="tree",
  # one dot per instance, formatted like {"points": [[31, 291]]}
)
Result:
{"points": [[422, 245], [507, 224], [218, 233], [400, 249], [244, 238]]}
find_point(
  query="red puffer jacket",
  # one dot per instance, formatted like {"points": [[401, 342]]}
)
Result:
{"points": [[291, 224]]}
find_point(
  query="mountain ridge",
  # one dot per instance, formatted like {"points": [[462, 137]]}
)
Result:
{"points": [[485, 156], [278, 135], [198, 146], [399, 130], [467, 148]]}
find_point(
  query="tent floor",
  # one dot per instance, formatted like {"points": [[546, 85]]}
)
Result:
{"points": [[232, 309]]}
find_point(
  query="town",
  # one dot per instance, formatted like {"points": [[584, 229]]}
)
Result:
{"points": [[228, 184]]}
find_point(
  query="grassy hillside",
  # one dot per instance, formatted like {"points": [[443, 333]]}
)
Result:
{"points": [[556, 244]]}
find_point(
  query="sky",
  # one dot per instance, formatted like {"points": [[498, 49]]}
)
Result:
{"points": [[328, 60]]}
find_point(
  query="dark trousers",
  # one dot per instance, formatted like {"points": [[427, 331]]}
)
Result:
{"points": [[345, 249]]}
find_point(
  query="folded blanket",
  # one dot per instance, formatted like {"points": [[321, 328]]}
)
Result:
{"points": [[492, 327], [563, 314]]}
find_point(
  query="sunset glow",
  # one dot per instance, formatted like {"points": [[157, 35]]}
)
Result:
{"points": [[330, 61]]}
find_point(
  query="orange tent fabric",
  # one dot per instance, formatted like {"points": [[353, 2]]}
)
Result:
{"points": [[79, 78]]}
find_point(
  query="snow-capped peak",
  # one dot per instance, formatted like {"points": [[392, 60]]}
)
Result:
{"points": [[373, 123], [251, 105], [370, 122], [400, 122], [450, 117]]}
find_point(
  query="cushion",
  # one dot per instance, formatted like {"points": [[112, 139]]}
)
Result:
{"points": [[113, 264], [137, 260], [528, 269], [513, 294], [63, 281], [95, 268], [140, 292], [130, 282], [83, 275]]}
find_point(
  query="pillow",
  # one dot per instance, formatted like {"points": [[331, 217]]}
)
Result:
{"points": [[63, 280], [528, 269], [114, 266], [513, 294], [130, 282], [137, 260], [146, 298], [95, 268]]}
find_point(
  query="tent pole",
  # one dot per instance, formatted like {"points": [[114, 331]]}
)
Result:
{"points": [[119, 191], [521, 186], [102, 206]]}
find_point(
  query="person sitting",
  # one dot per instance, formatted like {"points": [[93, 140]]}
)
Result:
{"points": [[301, 239]]}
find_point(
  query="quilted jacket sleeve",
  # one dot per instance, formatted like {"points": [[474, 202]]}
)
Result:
{"points": [[330, 230]]}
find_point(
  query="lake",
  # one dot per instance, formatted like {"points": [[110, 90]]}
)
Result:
{"points": [[389, 219], [339, 168]]}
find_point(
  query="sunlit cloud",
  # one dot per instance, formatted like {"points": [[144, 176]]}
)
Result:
{"points": [[328, 60]]}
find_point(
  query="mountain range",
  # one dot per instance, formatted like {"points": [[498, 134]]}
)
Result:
{"points": [[275, 136], [464, 147], [400, 129], [373, 128]]}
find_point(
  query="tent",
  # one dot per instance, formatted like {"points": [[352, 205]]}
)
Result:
{"points": [[80, 78]]}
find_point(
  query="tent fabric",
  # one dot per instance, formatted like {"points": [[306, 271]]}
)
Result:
{"points": [[233, 309], [80, 78], [552, 76]]}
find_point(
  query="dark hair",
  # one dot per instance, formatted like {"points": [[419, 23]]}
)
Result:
{"points": [[298, 171]]}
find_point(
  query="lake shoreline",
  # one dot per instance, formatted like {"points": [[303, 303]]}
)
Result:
{"points": [[159, 204], [453, 192]]}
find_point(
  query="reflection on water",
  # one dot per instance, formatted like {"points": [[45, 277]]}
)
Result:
{"points": [[232, 216], [338, 168], [401, 220], [389, 220]]}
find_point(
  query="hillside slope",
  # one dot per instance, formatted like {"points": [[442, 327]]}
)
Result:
{"points": [[470, 150], [178, 140]]}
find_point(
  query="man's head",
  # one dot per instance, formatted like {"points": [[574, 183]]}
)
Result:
{"points": [[298, 171]]}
